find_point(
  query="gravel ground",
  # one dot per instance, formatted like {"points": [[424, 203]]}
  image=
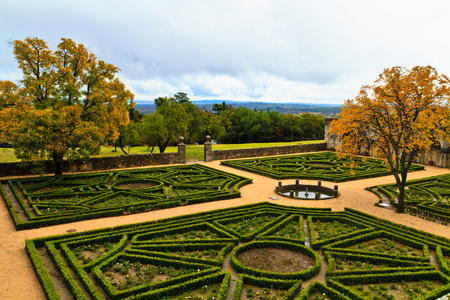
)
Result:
{"points": [[18, 280]]}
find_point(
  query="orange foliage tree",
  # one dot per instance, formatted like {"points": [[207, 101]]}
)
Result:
{"points": [[403, 112], [67, 103]]}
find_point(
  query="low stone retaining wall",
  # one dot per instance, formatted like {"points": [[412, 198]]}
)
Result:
{"points": [[96, 164], [140, 160], [265, 151]]}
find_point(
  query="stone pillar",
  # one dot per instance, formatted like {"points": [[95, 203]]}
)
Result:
{"points": [[208, 149], [181, 151]]}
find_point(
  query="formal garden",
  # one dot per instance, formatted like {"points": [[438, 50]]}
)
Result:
{"points": [[274, 251], [322, 166], [427, 198], [44, 201], [273, 248]]}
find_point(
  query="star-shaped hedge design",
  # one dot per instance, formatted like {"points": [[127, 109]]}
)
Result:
{"points": [[44, 201], [192, 256]]}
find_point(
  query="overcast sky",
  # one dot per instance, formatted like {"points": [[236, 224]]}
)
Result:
{"points": [[273, 51]]}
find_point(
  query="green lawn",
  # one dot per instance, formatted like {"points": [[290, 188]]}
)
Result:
{"points": [[193, 152]]}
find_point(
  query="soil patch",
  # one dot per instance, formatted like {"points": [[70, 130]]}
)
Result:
{"points": [[135, 186], [276, 260]]}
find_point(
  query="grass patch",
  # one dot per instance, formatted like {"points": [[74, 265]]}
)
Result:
{"points": [[193, 152]]}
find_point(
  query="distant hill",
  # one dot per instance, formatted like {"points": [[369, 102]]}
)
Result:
{"points": [[283, 108]]}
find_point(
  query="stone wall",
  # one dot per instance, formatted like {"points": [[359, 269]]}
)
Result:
{"points": [[437, 156], [332, 140], [265, 151], [97, 164]]}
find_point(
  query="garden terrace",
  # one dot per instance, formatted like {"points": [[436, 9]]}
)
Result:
{"points": [[322, 166], [44, 201], [427, 198], [347, 254]]}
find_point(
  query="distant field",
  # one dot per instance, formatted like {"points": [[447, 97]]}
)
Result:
{"points": [[193, 152]]}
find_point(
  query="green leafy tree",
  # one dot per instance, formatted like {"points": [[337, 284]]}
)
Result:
{"points": [[166, 124], [244, 126], [214, 125], [305, 126]]}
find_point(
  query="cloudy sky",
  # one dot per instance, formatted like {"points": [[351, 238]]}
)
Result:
{"points": [[319, 51]]}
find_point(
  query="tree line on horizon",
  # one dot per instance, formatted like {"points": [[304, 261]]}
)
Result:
{"points": [[329, 110], [178, 116]]}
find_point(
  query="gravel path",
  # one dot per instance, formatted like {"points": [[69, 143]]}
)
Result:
{"points": [[18, 280]]}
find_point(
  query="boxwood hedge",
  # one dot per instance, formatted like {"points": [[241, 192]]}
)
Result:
{"points": [[322, 166], [44, 201], [201, 244]]}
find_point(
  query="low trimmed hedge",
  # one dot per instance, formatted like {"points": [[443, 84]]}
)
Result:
{"points": [[339, 283], [37, 196], [322, 166], [304, 274], [114, 294], [136, 242], [318, 286]]}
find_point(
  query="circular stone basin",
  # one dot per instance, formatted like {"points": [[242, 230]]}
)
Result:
{"points": [[275, 259], [306, 192]]}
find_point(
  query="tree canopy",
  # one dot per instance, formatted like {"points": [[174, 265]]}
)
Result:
{"points": [[403, 112], [166, 124], [66, 104]]}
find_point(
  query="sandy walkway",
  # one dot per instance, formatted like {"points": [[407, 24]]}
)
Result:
{"points": [[18, 280]]}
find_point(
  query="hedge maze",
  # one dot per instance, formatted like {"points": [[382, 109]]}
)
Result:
{"points": [[427, 198], [44, 201], [350, 255], [322, 166]]}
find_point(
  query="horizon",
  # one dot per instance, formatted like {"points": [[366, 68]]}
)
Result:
{"points": [[147, 102]]}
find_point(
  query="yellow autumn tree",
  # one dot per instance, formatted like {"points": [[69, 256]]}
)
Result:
{"points": [[403, 112], [66, 104]]}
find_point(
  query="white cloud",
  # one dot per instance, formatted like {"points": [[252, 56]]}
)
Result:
{"points": [[315, 51]]}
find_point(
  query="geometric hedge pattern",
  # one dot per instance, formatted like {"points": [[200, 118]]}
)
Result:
{"points": [[427, 198], [322, 166], [43, 201], [356, 255]]}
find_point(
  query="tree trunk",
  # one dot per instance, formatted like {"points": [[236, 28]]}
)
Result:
{"points": [[121, 145], [401, 190], [58, 160], [162, 148], [401, 198]]}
